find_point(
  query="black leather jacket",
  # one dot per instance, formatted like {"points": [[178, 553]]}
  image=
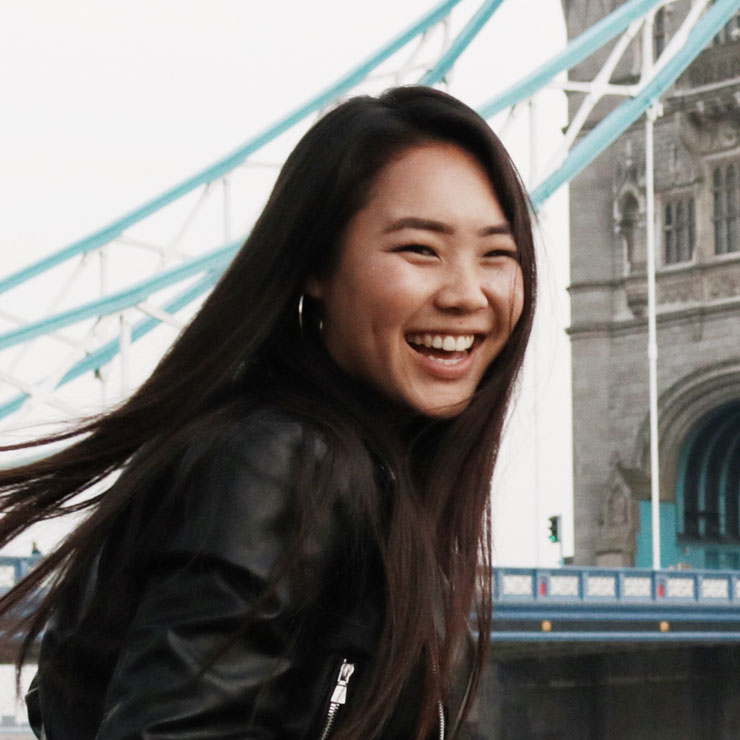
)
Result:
{"points": [[173, 664]]}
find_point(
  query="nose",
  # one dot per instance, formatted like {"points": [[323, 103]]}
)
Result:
{"points": [[462, 289]]}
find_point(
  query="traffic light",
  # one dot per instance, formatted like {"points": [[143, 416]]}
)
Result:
{"points": [[554, 528]]}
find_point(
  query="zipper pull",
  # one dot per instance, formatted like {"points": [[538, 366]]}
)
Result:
{"points": [[339, 695]]}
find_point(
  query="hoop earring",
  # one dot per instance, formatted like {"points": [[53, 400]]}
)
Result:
{"points": [[300, 313], [300, 316]]}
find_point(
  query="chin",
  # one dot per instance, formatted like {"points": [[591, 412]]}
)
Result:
{"points": [[448, 410]]}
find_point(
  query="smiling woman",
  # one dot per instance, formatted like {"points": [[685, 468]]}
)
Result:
{"points": [[300, 527], [428, 287]]}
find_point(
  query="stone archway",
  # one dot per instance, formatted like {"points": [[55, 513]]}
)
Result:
{"points": [[699, 423], [708, 477], [679, 408]]}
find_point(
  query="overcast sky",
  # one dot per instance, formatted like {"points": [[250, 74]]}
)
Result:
{"points": [[105, 104]]}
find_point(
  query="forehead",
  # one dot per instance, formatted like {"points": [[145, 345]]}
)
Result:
{"points": [[435, 180]]}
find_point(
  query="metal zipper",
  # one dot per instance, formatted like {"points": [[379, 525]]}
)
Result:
{"points": [[338, 696], [440, 706], [441, 711]]}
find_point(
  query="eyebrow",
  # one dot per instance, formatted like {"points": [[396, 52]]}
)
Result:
{"points": [[427, 224]]}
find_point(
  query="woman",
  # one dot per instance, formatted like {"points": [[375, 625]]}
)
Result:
{"points": [[301, 526]]}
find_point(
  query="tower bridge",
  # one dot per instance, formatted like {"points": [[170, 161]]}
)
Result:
{"points": [[594, 652], [602, 649]]}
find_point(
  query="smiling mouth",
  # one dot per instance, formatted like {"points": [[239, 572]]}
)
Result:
{"points": [[445, 349]]}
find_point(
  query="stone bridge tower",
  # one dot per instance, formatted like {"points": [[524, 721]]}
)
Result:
{"points": [[697, 228]]}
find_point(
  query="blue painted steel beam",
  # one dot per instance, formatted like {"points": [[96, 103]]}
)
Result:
{"points": [[732, 497], [710, 613], [577, 50], [108, 351], [576, 637], [236, 157], [606, 131], [461, 42], [122, 299], [683, 465], [708, 463]]}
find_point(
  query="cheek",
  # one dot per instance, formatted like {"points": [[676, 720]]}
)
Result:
{"points": [[391, 295], [507, 296], [367, 307]]}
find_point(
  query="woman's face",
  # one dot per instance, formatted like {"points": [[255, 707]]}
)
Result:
{"points": [[428, 286]]}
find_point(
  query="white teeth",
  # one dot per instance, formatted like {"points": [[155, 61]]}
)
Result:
{"points": [[447, 342], [448, 360]]}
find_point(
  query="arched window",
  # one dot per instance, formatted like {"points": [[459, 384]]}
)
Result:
{"points": [[718, 214], [659, 33], [670, 247], [708, 482], [679, 230], [726, 211], [628, 228], [731, 198]]}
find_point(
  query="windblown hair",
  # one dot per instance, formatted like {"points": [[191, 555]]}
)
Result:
{"points": [[245, 344]]}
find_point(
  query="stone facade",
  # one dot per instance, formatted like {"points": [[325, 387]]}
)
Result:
{"points": [[643, 692], [698, 292]]}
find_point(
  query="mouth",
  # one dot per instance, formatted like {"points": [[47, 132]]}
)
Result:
{"points": [[445, 349]]}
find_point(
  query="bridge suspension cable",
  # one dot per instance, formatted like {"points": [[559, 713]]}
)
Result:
{"points": [[102, 341]]}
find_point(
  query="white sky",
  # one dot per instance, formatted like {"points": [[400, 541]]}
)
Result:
{"points": [[106, 104]]}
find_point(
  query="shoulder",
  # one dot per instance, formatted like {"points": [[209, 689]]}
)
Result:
{"points": [[248, 485], [234, 451], [264, 438], [237, 480]]}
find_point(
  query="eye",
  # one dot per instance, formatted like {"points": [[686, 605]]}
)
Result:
{"points": [[495, 253], [420, 249]]}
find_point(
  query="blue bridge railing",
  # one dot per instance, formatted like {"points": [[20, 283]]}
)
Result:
{"points": [[13, 569], [618, 604], [587, 605], [624, 586]]}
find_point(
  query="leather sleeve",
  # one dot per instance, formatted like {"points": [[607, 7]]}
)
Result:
{"points": [[210, 653]]}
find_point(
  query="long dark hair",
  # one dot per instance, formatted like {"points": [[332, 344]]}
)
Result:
{"points": [[245, 342]]}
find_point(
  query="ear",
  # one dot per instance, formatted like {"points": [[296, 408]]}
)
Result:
{"points": [[315, 288]]}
